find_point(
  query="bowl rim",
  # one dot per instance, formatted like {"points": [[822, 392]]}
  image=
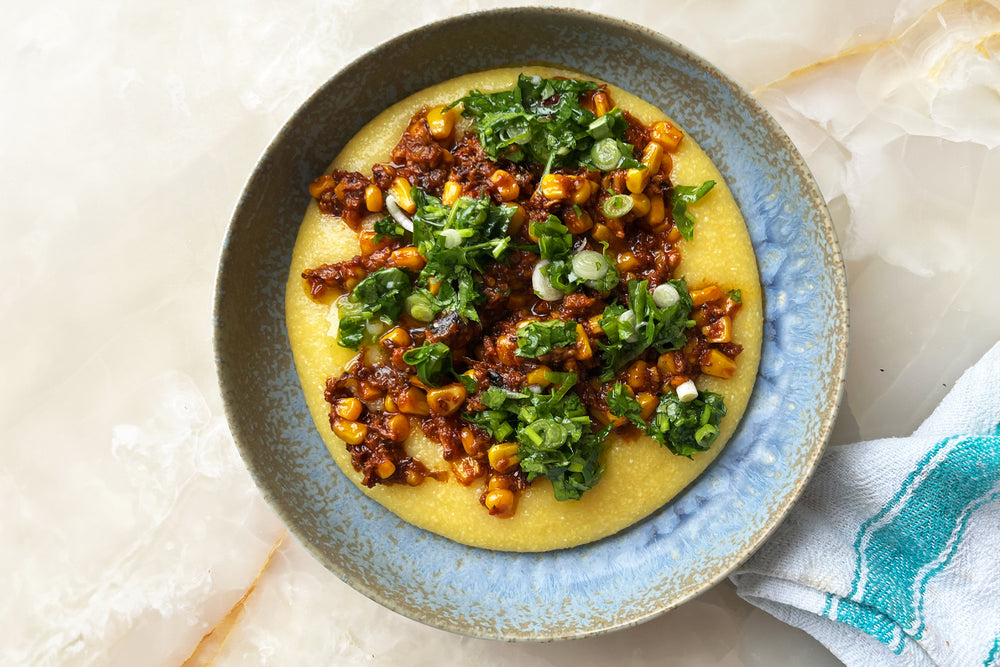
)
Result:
{"points": [[834, 389]]}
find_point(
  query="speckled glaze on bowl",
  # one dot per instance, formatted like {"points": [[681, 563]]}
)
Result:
{"points": [[678, 552]]}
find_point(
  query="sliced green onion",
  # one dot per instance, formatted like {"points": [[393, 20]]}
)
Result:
{"points": [[398, 214], [665, 295], [627, 327], [706, 432], [542, 285], [419, 307], [605, 154], [590, 265], [600, 128], [617, 206], [452, 238]]}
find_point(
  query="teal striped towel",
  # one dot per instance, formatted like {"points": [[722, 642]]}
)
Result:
{"points": [[892, 555]]}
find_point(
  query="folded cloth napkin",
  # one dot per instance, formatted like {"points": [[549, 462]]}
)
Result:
{"points": [[892, 555]]}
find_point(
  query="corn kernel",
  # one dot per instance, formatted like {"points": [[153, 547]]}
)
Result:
{"points": [[602, 233], [369, 392], [720, 331], [637, 374], [467, 470], [667, 364], [414, 478], [351, 432], [718, 365], [594, 325], [324, 182], [666, 166], [413, 401], [506, 187], [583, 191], [506, 347], [341, 191], [647, 404], [627, 262], [651, 156], [407, 258], [468, 439], [389, 404], [537, 376], [399, 428], [441, 122], [500, 502], [395, 337], [705, 295], [348, 408], [657, 211], [517, 219], [448, 399], [666, 135], [503, 456], [373, 198], [601, 103], [385, 469], [366, 239], [400, 190], [451, 192], [553, 186], [636, 180], [579, 224], [640, 204], [497, 482], [582, 349]]}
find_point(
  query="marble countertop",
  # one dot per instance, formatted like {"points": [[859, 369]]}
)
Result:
{"points": [[133, 533]]}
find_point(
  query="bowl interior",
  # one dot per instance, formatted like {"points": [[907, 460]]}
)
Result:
{"points": [[671, 556]]}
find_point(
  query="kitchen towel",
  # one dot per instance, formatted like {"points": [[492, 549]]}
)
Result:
{"points": [[892, 554]]}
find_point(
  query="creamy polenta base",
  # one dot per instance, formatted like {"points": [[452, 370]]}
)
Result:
{"points": [[640, 475]]}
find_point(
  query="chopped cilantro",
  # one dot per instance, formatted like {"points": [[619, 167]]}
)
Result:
{"points": [[382, 294], [687, 428], [388, 228], [554, 434], [642, 324], [684, 428], [458, 242], [432, 361], [736, 295], [555, 244], [541, 121], [537, 338], [622, 404], [680, 197]]}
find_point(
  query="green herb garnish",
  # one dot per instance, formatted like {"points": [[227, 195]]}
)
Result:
{"points": [[554, 434], [684, 428], [432, 361], [388, 228], [383, 295], [687, 428], [458, 242], [736, 296], [541, 121], [537, 338], [622, 404], [680, 197], [642, 324]]}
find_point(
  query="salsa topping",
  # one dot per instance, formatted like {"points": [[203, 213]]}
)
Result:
{"points": [[515, 295]]}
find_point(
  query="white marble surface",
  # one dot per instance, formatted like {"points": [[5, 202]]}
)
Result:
{"points": [[131, 529]]}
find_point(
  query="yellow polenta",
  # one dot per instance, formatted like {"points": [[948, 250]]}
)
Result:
{"points": [[640, 475]]}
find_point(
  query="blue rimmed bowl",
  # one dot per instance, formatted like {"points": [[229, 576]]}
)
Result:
{"points": [[680, 551]]}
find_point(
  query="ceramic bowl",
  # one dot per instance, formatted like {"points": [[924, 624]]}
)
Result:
{"points": [[689, 545]]}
